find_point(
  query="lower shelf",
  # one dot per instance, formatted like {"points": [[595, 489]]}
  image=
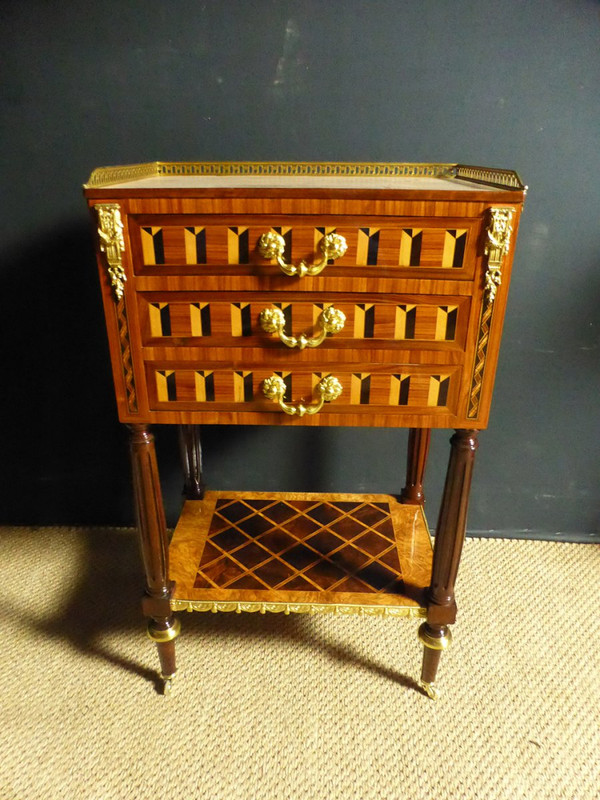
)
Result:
{"points": [[311, 553]]}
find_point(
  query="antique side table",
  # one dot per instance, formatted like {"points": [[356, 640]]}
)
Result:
{"points": [[304, 294]]}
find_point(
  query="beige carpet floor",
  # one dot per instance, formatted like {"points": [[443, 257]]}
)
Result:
{"points": [[296, 707]]}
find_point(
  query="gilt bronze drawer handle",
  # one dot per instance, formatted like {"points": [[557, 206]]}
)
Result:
{"points": [[329, 388], [330, 320], [272, 245]]}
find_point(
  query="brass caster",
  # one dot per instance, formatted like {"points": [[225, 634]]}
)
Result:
{"points": [[430, 690], [168, 684]]}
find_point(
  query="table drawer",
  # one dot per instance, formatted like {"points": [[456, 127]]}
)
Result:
{"points": [[406, 247], [254, 320], [365, 388]]}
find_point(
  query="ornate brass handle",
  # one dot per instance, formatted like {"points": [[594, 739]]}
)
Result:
{"points": [[331, 320], [329, 388], [272, 245]]}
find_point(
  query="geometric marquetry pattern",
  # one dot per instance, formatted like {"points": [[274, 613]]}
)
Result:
{"points": [[300, 545], [199, 319], [160, 319], [480, 357], [446, 323], [438, 390], [241, 319], [360, 388], [454, 248], [242, 386], [166, 389], [417, 389], [126, 361], [410, 247], [286, 233], [432, 248], [238, 251], [406, 319], [364, 320], [195, 245], [426, 322], [367, 246], [205, 386], [402, 322], [153, 245], [399, 390]]}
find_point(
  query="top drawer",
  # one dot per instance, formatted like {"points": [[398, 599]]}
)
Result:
{"points": [[410, 247]]}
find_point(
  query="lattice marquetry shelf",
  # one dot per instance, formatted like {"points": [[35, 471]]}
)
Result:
{"points": [[310, 553]]}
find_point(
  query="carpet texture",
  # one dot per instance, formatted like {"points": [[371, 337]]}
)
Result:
{"points": [[303, 707]]}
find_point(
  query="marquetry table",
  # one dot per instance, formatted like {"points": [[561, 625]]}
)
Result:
{"points": [[304, 294]]}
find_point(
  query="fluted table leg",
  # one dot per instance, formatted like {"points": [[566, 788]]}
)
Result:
{"points": [[449, 538], [163, 628]]}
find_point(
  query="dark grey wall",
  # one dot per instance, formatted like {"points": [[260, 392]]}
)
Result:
{"points": [[511, 84]]}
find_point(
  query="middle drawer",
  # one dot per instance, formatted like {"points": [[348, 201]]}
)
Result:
{"points": [[295, 321]]}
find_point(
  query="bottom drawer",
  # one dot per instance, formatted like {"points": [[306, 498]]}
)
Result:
{"points": [[362, 389]]}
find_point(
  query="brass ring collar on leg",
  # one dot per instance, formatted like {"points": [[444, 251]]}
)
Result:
{"points": [[160, 635], [434, 642]]}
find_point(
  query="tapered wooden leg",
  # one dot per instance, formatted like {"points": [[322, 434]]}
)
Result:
{"points": [[191, 459], [163, 628], [418, 449], [435, 639], [449, 538], [164, 632]]}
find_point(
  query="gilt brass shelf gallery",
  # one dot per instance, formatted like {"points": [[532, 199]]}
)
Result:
{"points": [[331, 320], [329, 389], [272, 245]]}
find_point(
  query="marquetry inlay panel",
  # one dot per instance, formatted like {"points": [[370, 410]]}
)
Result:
{"points": [[126, 363], [480, 359], [363, 550], [409, 387], [416, 320], [300, 545], [407, 246]]}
